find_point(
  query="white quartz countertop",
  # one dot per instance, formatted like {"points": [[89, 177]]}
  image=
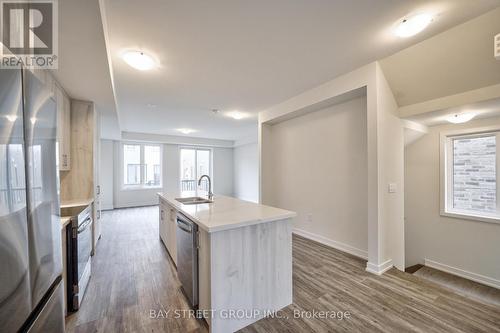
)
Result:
{"points": [[64, 221], [226, 213], [76, 203]]}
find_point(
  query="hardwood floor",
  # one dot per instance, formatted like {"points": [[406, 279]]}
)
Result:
{"points": [[460, 285], [133, 274], [330, 280]]}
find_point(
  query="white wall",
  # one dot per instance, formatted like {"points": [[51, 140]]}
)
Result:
{"points": [[390, 141], [246, 172], [106, 169], [222, 172], [384, 212], [222, 175], [319, 163], [467, 245]]}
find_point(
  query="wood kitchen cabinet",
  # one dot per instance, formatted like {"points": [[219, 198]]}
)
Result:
{"points": [[63, 127], [81, 181]]}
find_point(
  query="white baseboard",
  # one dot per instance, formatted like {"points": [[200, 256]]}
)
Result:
{"points": [[330, 242], [462, 273], [379, 269]]}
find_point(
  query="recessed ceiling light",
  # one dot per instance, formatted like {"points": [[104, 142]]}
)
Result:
{"points": [[237, 115], [152, 106], [12, 118], [460, 118], [186, 130], [139, 60], [412, 25]]}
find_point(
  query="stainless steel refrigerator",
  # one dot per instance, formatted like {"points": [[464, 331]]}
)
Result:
{"points": [[31, 288]]}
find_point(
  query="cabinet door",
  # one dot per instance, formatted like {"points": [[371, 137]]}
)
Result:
{"points": [[63, 129], [162, 222], [67, 131], [172, 229]]}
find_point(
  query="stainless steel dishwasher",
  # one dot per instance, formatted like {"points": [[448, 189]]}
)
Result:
{"points": [[187, 257]]}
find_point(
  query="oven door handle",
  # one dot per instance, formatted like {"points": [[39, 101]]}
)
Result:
{"points": [[84, 225]]}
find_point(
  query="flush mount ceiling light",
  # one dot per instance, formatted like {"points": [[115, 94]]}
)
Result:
{"points": [[460, 118], [139, 60], [412, 25], [237, 115], [186, 130]]}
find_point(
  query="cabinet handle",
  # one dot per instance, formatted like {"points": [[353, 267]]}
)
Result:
{"points": [[161, 214], [98, 189]]}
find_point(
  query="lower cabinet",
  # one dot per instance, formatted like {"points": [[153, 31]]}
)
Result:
{"points": [[168, 227], [162, 224]]}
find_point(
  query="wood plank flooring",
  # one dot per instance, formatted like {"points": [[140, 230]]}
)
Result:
{"points": [[330, 280], [133, 274], [460, 285]]}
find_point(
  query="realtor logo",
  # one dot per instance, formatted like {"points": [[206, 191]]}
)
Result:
{"points": [[28, 34]]}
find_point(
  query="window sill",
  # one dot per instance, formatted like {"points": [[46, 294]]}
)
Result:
{"points": [[466, 216], [140, 188]]}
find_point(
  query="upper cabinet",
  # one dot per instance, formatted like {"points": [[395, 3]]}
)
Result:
{"points": [[63, 128]]}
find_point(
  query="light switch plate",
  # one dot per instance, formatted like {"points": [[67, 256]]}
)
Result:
{"points": [[392, 187]]}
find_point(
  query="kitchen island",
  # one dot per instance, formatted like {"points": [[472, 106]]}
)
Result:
{"points": [[245, 257]]}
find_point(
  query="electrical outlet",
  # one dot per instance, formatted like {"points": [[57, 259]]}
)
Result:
{"points": [[309, 218], [392, 187]]}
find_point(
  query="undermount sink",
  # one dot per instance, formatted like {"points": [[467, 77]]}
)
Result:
{"points": [[193, 200]]}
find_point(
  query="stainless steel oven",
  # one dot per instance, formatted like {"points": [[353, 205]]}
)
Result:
{"points": [[79, 236]]}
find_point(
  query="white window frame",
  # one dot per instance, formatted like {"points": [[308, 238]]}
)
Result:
{"points": [[195, 161], [446, 173], [140, 186]]}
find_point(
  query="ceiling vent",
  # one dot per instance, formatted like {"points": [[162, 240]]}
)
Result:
{"points": [[497, 47]]}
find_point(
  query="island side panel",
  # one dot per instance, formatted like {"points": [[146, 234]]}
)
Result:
{"points": [[204, 272], [251, 269]]}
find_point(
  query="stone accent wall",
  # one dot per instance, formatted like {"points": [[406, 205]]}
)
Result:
{"points": [[474, 174]]}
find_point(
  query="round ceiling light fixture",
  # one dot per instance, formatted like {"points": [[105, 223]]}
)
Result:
{"points": [[12, 118], [186, 130], [412, 25], [460, 118], [237, 115], [139, 60]]}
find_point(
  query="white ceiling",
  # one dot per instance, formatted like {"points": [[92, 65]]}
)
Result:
{"points": [[484, 109], [83, 62], [457, 60], [249, 55]]}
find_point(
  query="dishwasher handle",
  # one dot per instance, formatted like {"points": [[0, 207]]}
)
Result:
{"points": [[84, 225], [184, 226]]}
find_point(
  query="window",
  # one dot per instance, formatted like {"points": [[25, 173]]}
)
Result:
{"points": [[194, 164], [141, 165], [470, 177]]}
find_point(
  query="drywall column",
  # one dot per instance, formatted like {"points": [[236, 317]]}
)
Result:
{"points": [[391, 176], [385, 156], [265, 173]]}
